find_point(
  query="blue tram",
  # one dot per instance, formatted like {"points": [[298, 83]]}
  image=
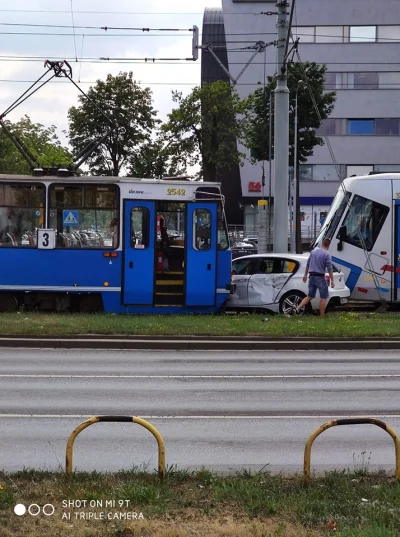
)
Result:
{"points": [[111, 244]]}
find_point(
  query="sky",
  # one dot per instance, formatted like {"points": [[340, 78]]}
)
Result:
{"points": [[24, 48]]}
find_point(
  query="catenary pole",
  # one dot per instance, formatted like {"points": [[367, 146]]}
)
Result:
{"points": [[270, 173], [281, 131]]}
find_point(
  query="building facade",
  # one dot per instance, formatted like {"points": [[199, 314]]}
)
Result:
{"points": [[359, 42]]}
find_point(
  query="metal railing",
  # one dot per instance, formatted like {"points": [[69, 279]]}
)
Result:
{"points": [[350, 421], [239, 232]]}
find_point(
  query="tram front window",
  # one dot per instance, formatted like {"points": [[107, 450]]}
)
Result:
{"points": [[333, 218], [363, 222]]}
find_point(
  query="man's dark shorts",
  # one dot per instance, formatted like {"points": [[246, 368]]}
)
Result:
{"points": [[318, 282]]}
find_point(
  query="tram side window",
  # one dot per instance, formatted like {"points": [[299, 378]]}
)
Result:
{"points": [[85, 216], [21, 214], [364, 221], [202, 229], [140, 227]]}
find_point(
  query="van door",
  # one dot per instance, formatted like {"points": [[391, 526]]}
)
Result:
{"points": [[201, 257], [139, 252]]}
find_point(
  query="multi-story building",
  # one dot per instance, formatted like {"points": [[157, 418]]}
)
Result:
{"points": [[359, 41]]}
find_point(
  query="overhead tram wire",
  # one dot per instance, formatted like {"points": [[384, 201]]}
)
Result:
{"points": [[73, 27], [177, 62], [365, 39], [255, 84]]}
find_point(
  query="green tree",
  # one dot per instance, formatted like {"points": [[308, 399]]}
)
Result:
{"points": [[128, 106], [205, 126], [154, 159], [42, 142], [257, 127]]}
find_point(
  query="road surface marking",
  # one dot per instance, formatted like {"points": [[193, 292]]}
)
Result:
{"points": [[318, 376], [200, 417]]}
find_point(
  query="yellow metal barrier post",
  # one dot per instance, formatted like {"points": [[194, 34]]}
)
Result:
{"points": [[350, 421], [133, 419]]}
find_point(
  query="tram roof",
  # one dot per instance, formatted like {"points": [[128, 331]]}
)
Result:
{"points": [[104, 180], [382, 176]]}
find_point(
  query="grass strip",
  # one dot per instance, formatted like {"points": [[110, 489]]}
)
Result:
{"points": [[245, 504], [347, 325]]}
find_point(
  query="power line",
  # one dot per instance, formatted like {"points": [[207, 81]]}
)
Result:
{"points": [[154, 13], [73, 27], [93, 35], [365, 39], [105, 28], [258, 83], [149, 60]]}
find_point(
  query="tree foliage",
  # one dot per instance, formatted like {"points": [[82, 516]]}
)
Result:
{"points": [[42, 142], [128, 107], [154, 160], [258, 111], [205, 126]]}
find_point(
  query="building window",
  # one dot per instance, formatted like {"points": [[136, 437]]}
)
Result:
{"points": [[388, 33], [358, 170], [329, 34], [362, 34], [330, 127], [318, 172], [333, 81], [305, 33], [387, 127], [361, 126], [389, 80], [305, 172], [364, 221], [387, 168], [363, 80], [325, 172]]}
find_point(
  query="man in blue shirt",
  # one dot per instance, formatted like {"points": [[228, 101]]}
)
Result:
{"points": [[318, 264]]}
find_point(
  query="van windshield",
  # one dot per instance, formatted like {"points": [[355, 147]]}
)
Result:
{"points": [[334, 217]]}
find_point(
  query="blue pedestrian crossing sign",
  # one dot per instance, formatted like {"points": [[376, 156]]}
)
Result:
{"points": [[70, 218]]}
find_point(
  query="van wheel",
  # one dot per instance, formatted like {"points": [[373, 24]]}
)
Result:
{"points": [[291, 300]]}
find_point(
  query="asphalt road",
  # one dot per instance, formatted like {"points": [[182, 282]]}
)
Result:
{"points": [[215, 409]]}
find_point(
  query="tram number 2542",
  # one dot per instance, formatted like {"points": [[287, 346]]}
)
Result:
{"points": [[176, 191]]}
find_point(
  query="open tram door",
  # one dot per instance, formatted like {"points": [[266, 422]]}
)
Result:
{"points": [[139, 251], [201, 254]]}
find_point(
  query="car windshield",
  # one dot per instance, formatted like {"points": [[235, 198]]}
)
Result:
{"points": [[333, 218]]}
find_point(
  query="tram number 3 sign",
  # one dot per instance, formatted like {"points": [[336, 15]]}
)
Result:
{"points": [[46, 239]]}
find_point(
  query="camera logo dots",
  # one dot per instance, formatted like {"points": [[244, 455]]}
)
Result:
{"points": [[34, 509]]}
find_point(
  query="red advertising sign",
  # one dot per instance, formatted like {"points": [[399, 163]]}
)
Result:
{"points": [[254, 187]]}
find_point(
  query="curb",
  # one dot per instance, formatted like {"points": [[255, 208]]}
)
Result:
{"points": [[195, 343]]}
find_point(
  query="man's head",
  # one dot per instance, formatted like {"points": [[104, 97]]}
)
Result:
{"points": [[326, 243]]}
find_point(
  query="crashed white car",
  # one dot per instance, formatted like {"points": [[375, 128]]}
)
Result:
{"points": [[275, 282]]}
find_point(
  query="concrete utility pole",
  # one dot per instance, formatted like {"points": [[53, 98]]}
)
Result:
{"points": [[293, 212], [281, 135]]}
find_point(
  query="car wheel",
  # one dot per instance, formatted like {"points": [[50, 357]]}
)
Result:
{"points": [[291, 300]]}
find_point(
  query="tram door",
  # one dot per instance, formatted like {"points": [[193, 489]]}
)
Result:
{"points": [[201, 256], [139, 251]]}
